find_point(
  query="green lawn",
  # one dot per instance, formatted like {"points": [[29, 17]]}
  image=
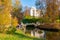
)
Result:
{"points": [[17, 36]]}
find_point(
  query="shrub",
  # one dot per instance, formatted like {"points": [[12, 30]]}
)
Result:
{"points": [[11, 30], [2, 29], [8, 30]]}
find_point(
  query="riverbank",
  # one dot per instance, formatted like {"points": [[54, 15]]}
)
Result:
{"points": [[17, 36]]}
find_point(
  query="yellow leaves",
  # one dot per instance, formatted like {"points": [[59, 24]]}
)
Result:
{"points": [[17, 2], [5, 19], [14, 22], [5, 15], [0, 2]]}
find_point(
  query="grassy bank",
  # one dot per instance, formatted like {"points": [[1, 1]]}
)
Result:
{"points": [[17, 36]]}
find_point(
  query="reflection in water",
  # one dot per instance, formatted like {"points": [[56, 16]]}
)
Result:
{"points": [[52, 35], [49, 34]]}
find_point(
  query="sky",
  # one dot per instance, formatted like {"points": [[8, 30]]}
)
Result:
{"points": [[28, 3]]}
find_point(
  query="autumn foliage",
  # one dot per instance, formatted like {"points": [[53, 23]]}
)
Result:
{"points": [[6, 19]]}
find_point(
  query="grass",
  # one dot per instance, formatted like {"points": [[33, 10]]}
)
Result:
{"points": [[16, 36]]}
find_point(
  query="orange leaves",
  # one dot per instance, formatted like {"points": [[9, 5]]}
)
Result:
{"points": [[52, 9]]}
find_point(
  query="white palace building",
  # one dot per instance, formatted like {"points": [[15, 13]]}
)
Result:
{"points": [[34, 12]]}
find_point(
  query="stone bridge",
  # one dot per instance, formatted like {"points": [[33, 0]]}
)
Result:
{"points": [[45, 27], [35, 28]]}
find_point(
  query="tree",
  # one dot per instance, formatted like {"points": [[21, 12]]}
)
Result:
{"points": [[17, 11], [6, 20], [26, 12], [52, 10], [5, 16], [51, 14], [41, 5]]}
